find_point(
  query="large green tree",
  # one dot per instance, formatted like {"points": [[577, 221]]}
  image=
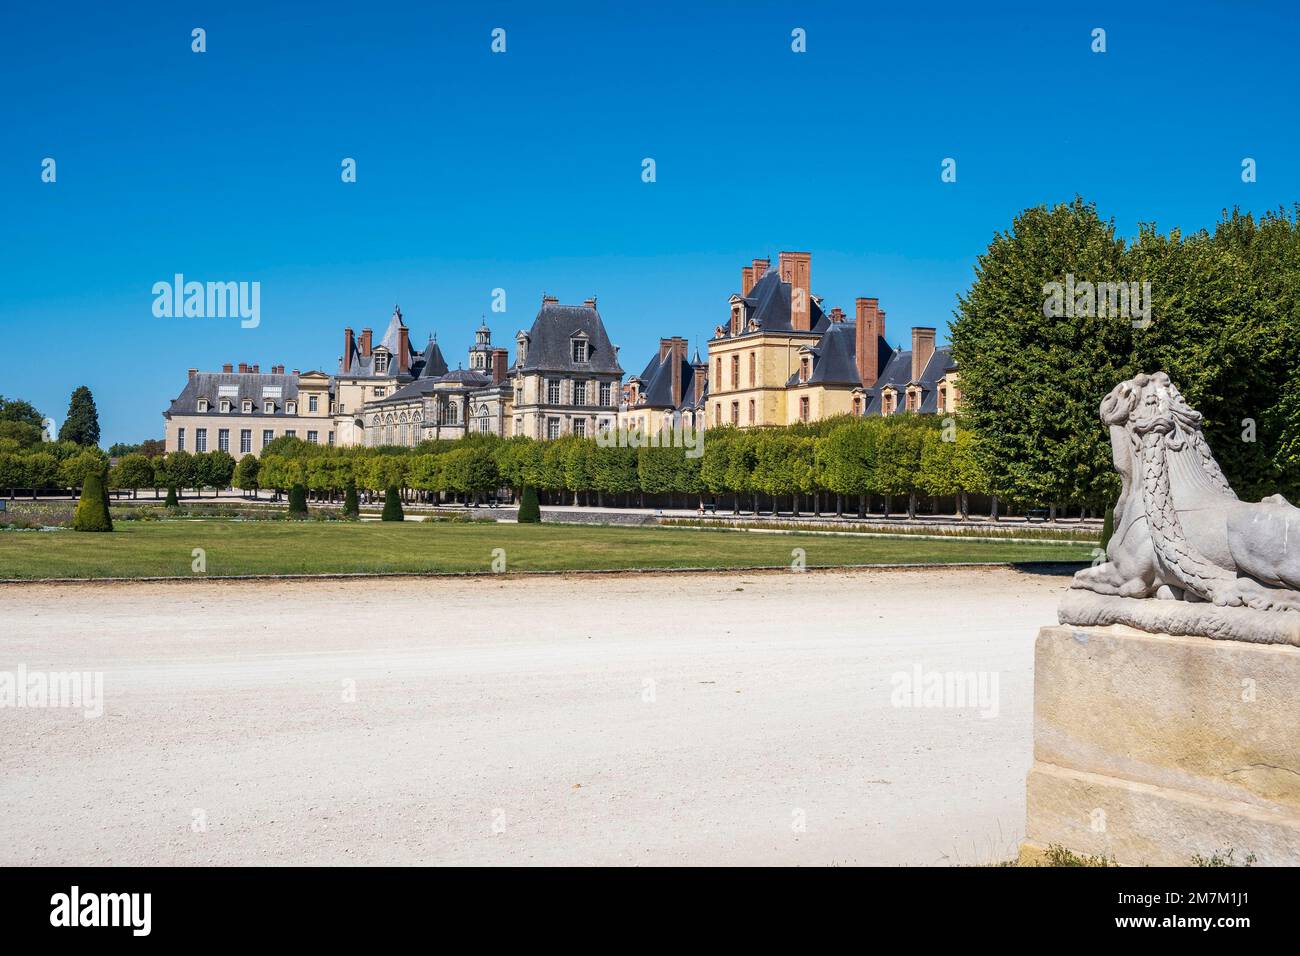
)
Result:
{"points": [[82, 424]]}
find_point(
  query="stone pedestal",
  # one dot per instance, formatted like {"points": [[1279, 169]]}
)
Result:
{"points": [[1154, 749]]}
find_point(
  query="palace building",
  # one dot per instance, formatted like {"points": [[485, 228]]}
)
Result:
{"points": [[782, 358], [672, 390]]}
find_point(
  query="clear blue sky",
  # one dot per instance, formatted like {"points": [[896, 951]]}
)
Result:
{"points": [[523, 170]]}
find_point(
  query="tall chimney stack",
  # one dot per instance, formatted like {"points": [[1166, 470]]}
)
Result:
{"points": [[227, 368], [922, 351], [746, 280], [866, 340], [243, 367], [403, 350], [365, 342], [760, 268], [677, 352], [348, 341], [796, 269], [499, 360], [193, 372]]}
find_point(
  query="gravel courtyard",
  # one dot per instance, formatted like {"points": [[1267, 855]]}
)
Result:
{"points": [[611, 719]]}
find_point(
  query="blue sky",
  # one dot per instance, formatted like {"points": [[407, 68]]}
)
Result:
{"points": [[523, 170]]}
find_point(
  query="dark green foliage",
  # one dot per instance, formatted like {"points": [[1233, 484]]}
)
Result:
{"points": [[82, 424], [171, 497], [392, 505], [298, 501], [351, 506], [1108, 526], [92, 509], [529, 512]]}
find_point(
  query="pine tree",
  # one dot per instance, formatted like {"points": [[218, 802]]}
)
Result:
{"points": [[351, 507], [82, 424], [297, 501]]}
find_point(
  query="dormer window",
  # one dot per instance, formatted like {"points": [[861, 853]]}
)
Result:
{"points": [[805, 368], [268, 408], [580, 350], [735, 320], [203, 405], [246, 406], [225, 405], [381, 363], [291, 408]]}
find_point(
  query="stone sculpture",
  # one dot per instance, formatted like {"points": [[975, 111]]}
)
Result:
{"points": [[1187, 555]]}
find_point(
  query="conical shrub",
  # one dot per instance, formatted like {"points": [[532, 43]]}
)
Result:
{"points": [[92, 510], [393, 505], [171, 497], [529, 512], [298, 502], [351, 506]]}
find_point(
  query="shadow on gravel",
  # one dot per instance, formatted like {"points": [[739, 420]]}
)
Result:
{"points": [[1056, 569]]}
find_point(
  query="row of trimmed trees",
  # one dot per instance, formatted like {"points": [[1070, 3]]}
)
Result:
{"points": [[844, 463]]}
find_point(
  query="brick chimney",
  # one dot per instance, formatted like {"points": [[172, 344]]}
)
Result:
{"points": [[700, 380], [866, 340], [348, 341], [760, 268], [257, 369], [796, 269], [227, 368], [500, 357], [403, 350], [880, 323], [837, 314], [193, 372], [590, 303], [677, 357], [243, 367], [922, 351], [746, 280], [365, 342]]}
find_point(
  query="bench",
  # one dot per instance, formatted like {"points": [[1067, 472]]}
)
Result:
{"points": [[1040, 514]]}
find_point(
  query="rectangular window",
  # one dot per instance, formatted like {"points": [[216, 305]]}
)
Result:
{"points": [[380, 392], [717, 372], [552, 428], [291, 408], [579, 426], [313, 437], [735, 413], [267, 437], [245, 441], [579, 350], [751, 411], [752, 364], [180, 439], [202, 405], [200, 439], [735, 371], [552, 391], [225, 405], [223, 439], [291, 433], [313, 403], [605, 393], [247, 408], [580, 393], [331, 439], [803, 409]]}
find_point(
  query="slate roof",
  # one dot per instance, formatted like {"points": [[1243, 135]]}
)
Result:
{"points": [[425, 386], [248, 386], [657, 384], [768, 306], [362, 366], [898, 373], [432, 364], [548, 341]]}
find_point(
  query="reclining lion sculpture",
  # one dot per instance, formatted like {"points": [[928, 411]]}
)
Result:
{"points": [[1181, 534]]}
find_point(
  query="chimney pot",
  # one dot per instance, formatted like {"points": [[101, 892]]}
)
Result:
{"points": [[257, 369], [590, 303], [227, 368], [193, 372]]}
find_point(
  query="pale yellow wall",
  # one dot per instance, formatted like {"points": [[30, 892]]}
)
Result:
{"points": [[777, 358], [235, 422]]}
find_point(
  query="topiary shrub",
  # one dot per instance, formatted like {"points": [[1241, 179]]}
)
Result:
{"points": [[392, 505], [172, 502], [92, 509], [351, 507], [298, 501], [1107, 526], [529, 512]]}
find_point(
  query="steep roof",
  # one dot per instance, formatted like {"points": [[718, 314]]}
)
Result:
{"points": [[657, 383], [432, 362], [768, 306], [897, 372], [549, 348], [363, 366], [238, 387]]}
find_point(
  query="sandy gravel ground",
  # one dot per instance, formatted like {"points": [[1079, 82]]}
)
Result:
{"points": [[702, 719]]}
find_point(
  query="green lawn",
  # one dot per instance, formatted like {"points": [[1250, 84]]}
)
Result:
{"points": [[145, 549]]}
